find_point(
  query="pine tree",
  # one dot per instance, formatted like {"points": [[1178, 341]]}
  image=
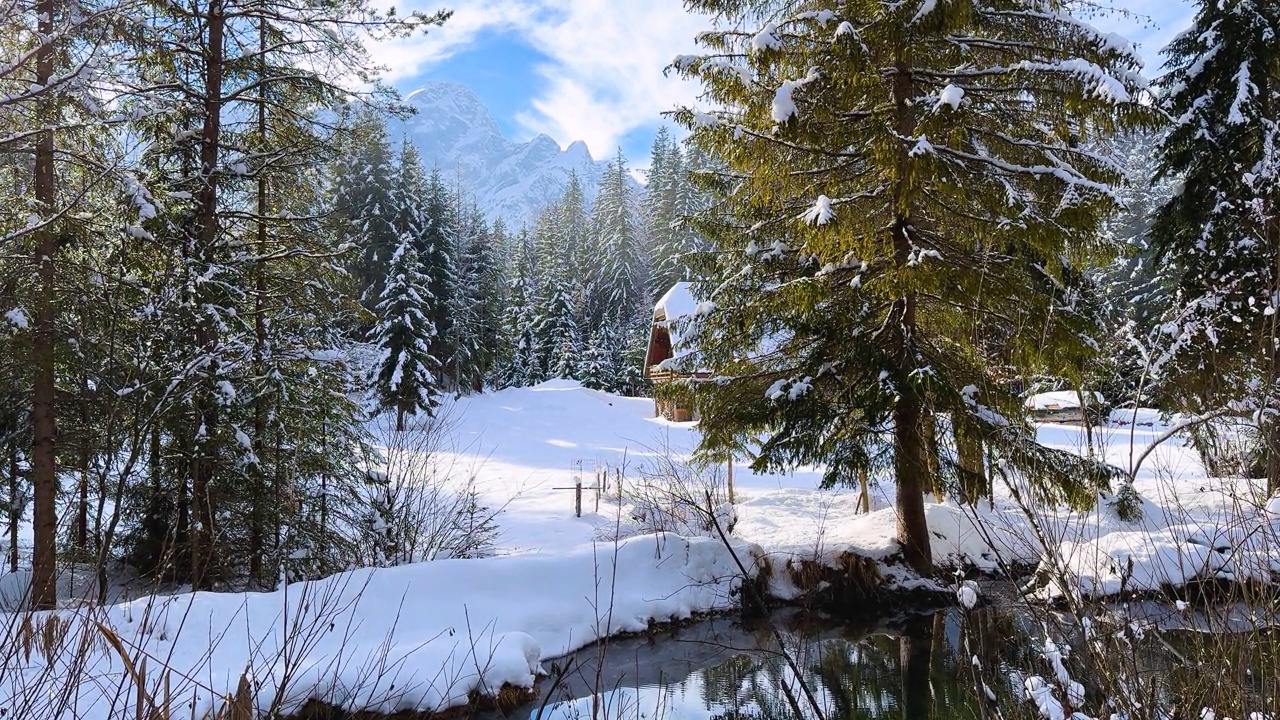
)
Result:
{"points": [[672, 199], [559, 329], [620, 271], [363, 206], [475, 312], [406, 372], [661, 213], [1220, 235], [902, 228], [520, 365], [438, 254]]}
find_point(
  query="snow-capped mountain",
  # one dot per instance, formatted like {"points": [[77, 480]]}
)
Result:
{"points": [[511, 180]]}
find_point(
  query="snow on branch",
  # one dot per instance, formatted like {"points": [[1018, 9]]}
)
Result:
{"points": [[784, 106]]}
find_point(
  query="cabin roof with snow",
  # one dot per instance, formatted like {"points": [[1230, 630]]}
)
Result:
{"points": [[664, 333]]}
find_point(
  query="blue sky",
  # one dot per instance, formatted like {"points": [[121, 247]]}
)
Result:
{"points": [[592, 69]]}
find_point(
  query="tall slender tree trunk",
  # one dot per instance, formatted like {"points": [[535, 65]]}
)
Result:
{"points": [[44, 469], [911, 463], [971, 458], [204, 462], [929, 435], [82, 500], [1272, 428], [15, 508], [257, 531]]}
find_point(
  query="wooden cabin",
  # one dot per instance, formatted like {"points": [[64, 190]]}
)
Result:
{"points": [[1065, 406], [664, 345]]}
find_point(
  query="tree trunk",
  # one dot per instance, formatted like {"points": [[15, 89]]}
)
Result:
{"points": [[15, 508], [257, 531], [44, 470], [910, 451], [973, 471], [1273, 458], [204, 463], [864, 491], [82, 500], [910, 467], [929, 435]]}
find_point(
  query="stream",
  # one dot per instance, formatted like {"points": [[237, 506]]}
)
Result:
{"points": [[942, 665]]}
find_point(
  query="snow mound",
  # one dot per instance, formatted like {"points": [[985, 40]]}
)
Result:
{"points": [[1171, 557], [418, 637]]}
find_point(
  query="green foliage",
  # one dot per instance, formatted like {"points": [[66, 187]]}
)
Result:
{"points": [[908, 200]]}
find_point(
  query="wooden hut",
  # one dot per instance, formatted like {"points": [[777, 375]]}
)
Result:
{"points": [[664, 347], [1065, 406]]}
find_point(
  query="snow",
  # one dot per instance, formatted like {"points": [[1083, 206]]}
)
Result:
{"points": [[17, 317], [766, 39], [950, 96], [674, 307], [420, 636], [550, 584], [784, 105], [926, 7], [821, 212]]}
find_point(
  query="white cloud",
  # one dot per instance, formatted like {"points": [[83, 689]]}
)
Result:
{"points": [[603, 74], [406, 57]]}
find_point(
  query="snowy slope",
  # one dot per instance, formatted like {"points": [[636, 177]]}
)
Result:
{"points": [[523, 443], [514, 181], [425, 635], [419, 636]]}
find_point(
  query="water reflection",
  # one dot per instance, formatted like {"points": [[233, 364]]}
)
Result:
{"points": [[914, 668], [946, 666]]}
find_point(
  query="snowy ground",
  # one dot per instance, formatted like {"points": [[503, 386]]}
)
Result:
{"points": [[426, 635]]}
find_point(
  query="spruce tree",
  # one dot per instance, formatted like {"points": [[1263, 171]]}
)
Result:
{"points": [[405, 372], [363, 207], [909, 198], [520, 365], [620, 268], [672, 199], [1219, 236], [438, 255]]}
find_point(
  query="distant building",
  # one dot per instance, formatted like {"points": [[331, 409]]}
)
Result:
{"points": [[664, 347], [1065, 406]]}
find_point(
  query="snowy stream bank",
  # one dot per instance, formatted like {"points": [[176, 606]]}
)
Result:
{"points": [[431, 636]]}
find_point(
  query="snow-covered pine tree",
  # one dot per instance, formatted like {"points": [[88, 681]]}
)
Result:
{"points": [[910, 195], [475, 330], [64, 73], [672, 199], [1133, 291], [406, 373], [520, 364], [1220, 234], [660, 211], [560, 242], [619, 268], [438, 255], [363, 207]]}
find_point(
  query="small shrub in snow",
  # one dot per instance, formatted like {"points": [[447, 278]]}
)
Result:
{"points": [[674, 495], [421, 508]]}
